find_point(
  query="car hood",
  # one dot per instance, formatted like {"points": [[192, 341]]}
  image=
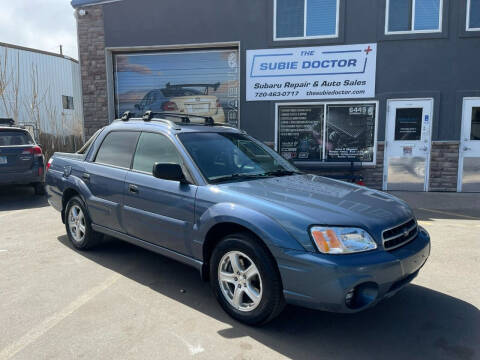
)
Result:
{"points": [[315, 200]]}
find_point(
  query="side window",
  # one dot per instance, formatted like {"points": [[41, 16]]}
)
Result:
{"points": [[117, 148], [154, 148]]}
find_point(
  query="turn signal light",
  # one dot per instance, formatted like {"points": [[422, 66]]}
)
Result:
{"points": [[327, 241]]}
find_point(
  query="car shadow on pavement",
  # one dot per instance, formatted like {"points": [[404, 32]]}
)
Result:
{"points": [[20, 197], [417, 323]]}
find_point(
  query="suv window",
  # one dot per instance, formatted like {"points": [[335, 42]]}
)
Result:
{"points": [[12, 137], [154, 148], [117, 148]]}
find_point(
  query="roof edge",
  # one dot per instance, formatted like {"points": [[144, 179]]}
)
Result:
{"points": [[82, 3], [18, 47]]}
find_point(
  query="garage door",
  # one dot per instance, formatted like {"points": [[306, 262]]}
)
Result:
{"points": [[199, 82]]}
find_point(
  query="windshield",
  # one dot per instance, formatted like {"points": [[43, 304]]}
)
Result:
{"points": [[232, 156], [12, 138]]}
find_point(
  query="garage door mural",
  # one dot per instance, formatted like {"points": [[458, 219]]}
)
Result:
{"points": [[201, 82]]}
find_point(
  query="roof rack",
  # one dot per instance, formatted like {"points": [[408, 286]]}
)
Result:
{"points": [[148, 116], [126, 116], [186, 117]]}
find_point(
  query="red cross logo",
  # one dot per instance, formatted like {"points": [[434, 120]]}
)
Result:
{"points": [[367, 50]]}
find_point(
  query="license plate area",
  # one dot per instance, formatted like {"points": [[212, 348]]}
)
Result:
{"points": [[197, 108]]}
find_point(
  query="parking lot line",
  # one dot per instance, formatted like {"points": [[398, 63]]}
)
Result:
{"points": [[38, 331], [450, 214]]}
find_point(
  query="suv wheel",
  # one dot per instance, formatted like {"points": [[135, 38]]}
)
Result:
{"points": [[77, 222], [245, 280], [39, 188]]}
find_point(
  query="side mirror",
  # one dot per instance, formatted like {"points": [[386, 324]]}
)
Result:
{"points": [[169, 171]]}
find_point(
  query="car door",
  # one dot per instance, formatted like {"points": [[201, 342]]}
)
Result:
{"points": [[105, 177], [156, 210]]}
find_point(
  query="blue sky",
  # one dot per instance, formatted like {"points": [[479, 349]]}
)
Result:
{"points": [[39, 24]]}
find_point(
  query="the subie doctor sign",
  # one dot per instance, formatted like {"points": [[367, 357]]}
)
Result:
{"points": [[322, 72]]}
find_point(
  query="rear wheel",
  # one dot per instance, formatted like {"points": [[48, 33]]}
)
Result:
{"points": [[245, 280], [77, 222], [39, 188]]}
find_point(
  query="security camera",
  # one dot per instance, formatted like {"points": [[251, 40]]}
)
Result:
{"points": [[82, 12]]}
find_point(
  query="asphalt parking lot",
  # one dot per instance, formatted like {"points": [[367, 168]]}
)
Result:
{"points": [[123, 302]]}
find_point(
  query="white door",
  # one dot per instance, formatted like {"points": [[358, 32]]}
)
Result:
{"points": [[407, 144], [469, 159]]}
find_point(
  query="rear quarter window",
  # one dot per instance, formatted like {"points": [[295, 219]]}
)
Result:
{"points": [[117, 149], [13, 138]]}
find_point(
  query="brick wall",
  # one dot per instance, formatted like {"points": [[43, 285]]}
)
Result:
{"points": [[91, 44], [444, 166]]}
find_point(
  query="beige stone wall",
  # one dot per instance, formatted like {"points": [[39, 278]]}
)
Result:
{"points": [[444, 166]]}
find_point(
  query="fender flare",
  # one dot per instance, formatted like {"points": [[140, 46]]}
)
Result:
{"points": [[266, 228]]}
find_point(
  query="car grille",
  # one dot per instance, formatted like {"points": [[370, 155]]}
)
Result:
{"points": [[400, 235]]}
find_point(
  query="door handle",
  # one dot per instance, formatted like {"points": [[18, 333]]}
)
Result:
{"points": [[424, 148], [465, 148], [86, 176], [133, 188]]}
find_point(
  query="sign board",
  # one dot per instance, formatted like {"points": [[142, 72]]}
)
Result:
{"points": [[321, 72], [328, 132]]}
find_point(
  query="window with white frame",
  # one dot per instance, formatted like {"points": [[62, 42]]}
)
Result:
{"points": [[304, 19], [473, 15], [334, 132], [413, 16]]}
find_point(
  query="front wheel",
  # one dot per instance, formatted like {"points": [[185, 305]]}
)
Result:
{"points": [[245, 279]]}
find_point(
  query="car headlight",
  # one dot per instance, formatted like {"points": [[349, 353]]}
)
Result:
{"points": [[342, 240]]}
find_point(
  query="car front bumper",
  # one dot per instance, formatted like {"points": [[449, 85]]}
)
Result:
{"points": [[322, 282]]}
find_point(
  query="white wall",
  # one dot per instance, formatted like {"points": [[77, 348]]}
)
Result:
{"points": [[41, 80]]}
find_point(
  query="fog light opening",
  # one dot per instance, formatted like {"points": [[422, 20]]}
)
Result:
{"points": [[361, 295]]}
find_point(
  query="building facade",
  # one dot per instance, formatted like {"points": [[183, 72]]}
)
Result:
{"points": [[391, 87], [41, 91]]}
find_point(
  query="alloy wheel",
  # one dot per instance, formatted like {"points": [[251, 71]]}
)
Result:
{"points": [[240, 281]]}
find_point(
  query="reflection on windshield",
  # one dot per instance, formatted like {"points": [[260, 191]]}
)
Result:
{"points": [[232, 156]]}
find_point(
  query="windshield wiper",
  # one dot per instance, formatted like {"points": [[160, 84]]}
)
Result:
{"points": [[282, 172], [234, 177]]}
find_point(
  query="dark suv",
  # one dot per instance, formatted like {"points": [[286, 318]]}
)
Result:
{"points": [[261, 231], [21, 159]]}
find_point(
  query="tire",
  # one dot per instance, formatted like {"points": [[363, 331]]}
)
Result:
{"points": [[260, 298], [78, 225], [39, 188]]}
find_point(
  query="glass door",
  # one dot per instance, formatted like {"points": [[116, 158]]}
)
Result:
{"points": [[407, 145], [469, 159]]}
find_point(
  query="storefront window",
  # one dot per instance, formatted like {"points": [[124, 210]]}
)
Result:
{"points": [[327, 132], [321, 18], [301, 132], [350, 133], [413, 16]]}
